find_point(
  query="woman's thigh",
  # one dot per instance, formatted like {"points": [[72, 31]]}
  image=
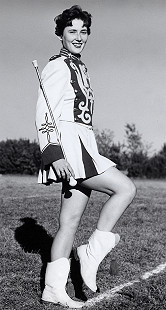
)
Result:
{"points": [[110, 181], [73, 203]]}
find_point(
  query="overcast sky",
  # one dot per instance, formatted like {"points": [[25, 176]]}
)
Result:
{"points": [[125, 56]]}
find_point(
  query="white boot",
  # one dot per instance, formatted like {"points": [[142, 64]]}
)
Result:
{"points": [[55, 283], [90, 255]]}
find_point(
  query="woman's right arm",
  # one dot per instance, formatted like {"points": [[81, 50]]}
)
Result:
{"points": [[55, 78]]}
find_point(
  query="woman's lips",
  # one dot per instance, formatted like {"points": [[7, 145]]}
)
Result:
{"points": [[77, 45]]}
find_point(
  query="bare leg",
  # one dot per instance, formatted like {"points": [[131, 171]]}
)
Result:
{"points": [[73, 204], [121, 191]]}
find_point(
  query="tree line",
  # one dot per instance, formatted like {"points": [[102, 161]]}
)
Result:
{"points": [[23, 157]]}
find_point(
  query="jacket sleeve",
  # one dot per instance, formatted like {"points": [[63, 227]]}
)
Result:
{"points": [[55, 78]]}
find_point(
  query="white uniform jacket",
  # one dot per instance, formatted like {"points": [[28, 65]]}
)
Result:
{"points": [[70, 97]]}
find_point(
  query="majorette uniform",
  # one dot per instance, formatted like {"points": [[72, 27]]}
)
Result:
{"points": [[70, 96]]}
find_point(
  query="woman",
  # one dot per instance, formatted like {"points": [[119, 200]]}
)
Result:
{"points": [[67, 86]]}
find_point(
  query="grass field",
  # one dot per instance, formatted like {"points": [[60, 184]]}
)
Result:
{"points": [[29, 221]]}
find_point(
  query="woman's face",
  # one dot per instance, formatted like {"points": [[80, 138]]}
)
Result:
{"points": [[75, 37]]}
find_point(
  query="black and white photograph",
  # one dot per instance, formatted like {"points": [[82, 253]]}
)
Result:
{"points": [[83, 154]]}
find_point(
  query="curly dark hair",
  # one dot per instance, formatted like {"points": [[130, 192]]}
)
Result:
{"points": [[65, 19]]}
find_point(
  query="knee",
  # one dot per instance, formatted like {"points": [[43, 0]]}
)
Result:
{"points": [[70, 223], [128, 190]]}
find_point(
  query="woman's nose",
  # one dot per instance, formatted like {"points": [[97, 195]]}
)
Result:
{"points": [[78, 37]]}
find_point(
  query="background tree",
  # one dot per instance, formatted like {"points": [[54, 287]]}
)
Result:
{"points": [[156, 166], [134, 143], [19, 156], [23, 157], [108, 148], [136, 152], [104, 139]]}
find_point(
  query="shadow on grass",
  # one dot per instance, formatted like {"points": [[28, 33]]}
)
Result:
{"points": [[33, 238]]}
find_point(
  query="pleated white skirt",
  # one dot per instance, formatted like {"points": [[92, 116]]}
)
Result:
{"points": [[81, 151]]}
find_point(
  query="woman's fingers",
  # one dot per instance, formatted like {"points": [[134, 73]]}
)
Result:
{"points": [[63, 173], [58, 173], [63, 169], [71, 171]]}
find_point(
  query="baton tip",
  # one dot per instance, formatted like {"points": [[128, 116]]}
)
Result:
{"points": [[34, 62], [72, 182]]}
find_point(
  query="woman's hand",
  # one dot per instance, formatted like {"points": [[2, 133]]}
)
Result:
{"points": [[63, 169]]}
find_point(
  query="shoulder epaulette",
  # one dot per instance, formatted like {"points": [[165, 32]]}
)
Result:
{"points": [[54, 57]]}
